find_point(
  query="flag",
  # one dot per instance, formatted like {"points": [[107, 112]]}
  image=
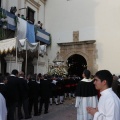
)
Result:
{"points": [[25, 30], [43, 36], [10, 19]]}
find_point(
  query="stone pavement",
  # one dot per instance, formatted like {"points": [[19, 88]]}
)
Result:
{"points": [[66, 111]]}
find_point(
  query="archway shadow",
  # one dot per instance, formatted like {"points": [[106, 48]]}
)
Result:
{"points": [[76, 65]]}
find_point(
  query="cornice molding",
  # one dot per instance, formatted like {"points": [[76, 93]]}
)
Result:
{"points": [[43, 1], [77, 43], [34, 3]]}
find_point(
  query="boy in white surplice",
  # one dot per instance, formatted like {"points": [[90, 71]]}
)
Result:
{"points": [[86, 95]]}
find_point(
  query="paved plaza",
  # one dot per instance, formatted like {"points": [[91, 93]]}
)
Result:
{"points": [[66, 111]]}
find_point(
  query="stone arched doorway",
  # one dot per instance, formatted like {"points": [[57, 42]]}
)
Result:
{"points": [[76, 65], [86, 49]]}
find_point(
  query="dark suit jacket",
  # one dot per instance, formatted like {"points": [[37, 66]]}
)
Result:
{"points": [[23, 89], [33, 89], [13, 89], [45, 88]]}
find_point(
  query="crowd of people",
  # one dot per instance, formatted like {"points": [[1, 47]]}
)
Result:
{"points": [[34, 92], [97, 98]]}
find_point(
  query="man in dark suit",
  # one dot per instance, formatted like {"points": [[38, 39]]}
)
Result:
{"points": [[12, 94], [33, 95], [23, 101], [44, 94]]}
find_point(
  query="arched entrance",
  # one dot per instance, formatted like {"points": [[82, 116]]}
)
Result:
{"points": [[76, 65], [86, 49]]}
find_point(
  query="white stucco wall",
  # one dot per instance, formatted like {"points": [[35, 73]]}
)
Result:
{"points": [[94, 19]]}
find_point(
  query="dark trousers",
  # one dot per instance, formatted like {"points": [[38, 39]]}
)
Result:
{"points": [[33, 101], [25, 107], [20, 115], [11, 107], [23, 103], [45, 101]]}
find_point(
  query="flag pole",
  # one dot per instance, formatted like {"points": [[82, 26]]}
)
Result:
{"points": [[16, 54], [26, 62], [16, 45], [38, 56]]}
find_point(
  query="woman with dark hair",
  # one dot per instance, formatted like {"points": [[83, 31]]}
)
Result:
{"points": [[86, 95]]}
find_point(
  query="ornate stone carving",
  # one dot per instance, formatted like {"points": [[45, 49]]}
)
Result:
{"points": [[85, 48], [75, 36], [58, 58]]}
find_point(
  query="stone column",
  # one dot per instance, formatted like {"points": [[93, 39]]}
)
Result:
{"points": [[11, 63], [34, 62]]}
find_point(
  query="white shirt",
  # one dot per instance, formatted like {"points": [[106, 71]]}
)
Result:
{"points": [[3, 109], [83, 102], [108, 106]]}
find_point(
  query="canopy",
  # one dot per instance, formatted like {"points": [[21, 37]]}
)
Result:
{"points": [[10, 44], [7, 45]]}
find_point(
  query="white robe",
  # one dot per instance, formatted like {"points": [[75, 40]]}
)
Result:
{"points": [[3, 109], [108, 106], [83, 102]]}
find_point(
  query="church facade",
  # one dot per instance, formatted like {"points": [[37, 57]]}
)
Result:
{"points": [[84, 32], [97, 20]]}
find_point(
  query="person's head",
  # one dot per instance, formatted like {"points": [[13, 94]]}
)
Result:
{"points": [[103, 79], [15, 72], [33, 77], [18, 15], [29, 77], [7, 74], [45, 76], [115, 77], [86, 74], [21, 74], [3, 79], [118, 76], [92, 76], [39, 22]]}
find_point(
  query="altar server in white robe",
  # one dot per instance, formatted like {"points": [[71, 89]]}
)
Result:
{"points": [[86, 95], [109, 103], [3, 109]]}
